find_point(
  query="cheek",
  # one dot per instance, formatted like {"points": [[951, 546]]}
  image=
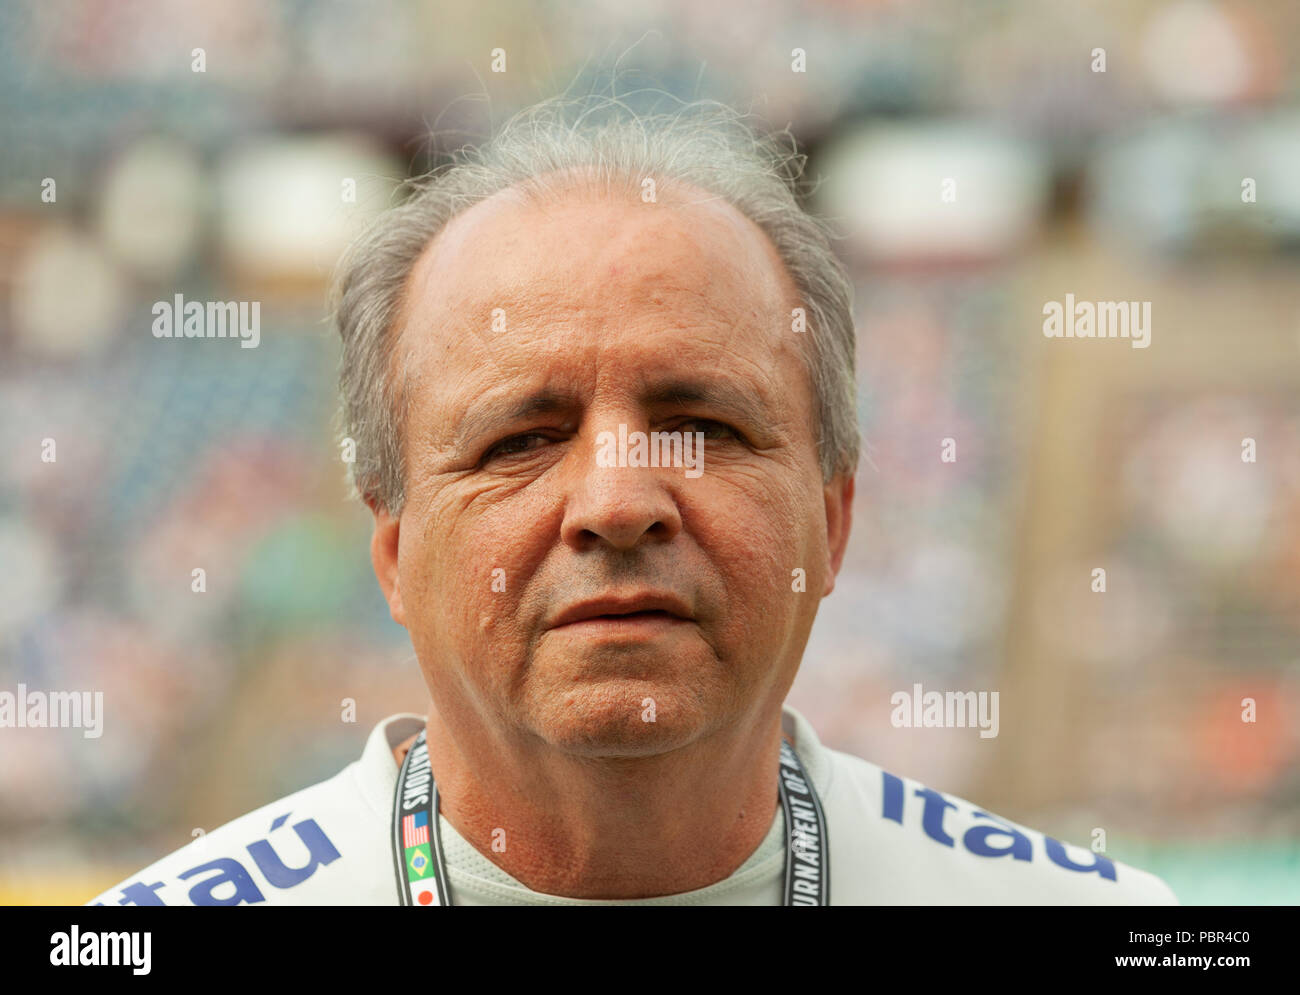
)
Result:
{"points": [[756, 537], [467, 562]]}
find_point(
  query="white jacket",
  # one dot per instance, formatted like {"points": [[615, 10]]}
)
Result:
{"points": [[892, 842]]}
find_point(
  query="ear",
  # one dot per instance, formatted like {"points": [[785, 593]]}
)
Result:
{"points": [[383, 557], [839, 520]]}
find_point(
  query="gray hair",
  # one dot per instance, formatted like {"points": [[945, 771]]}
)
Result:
{"points": [[702, 143]]}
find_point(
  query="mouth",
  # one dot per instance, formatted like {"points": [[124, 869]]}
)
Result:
{"points": [[629, 616], [638, 626], [636, 611]]}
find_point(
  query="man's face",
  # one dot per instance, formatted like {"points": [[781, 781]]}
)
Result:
{"points": [[668, 316]]}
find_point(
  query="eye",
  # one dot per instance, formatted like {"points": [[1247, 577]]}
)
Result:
{"points": [[715, 430], [513, 446]]}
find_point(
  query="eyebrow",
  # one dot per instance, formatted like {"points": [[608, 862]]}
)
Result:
{"points": [[721, 397], [718, 395], [482, 417]]}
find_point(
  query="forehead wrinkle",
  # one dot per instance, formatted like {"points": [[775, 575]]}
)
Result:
{"points": [[732, 390]]}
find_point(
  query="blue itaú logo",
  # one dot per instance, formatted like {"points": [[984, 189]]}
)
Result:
{"points": [[232, 883], [999, 839]]}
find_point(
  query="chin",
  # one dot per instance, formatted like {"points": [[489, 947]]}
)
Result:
{"points": [[612, 717]]}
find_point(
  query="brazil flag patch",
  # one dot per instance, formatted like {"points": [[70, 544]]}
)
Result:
{"points": [[419, 862]]}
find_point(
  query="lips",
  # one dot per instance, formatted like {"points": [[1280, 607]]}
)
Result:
{"points": [[633, 606]]}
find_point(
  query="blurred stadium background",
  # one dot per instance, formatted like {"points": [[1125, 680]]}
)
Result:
{"points": [[1119, 711]]}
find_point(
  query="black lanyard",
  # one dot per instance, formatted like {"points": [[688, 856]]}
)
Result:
{"points": [[422, 872]]}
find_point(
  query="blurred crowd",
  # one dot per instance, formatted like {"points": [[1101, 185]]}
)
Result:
{"points": [[977, 160]]}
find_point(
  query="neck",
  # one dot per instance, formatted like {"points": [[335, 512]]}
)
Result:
{"points": [[620, 828]]}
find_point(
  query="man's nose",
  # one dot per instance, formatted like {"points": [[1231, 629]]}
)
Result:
{"points": [[622, 506]]}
